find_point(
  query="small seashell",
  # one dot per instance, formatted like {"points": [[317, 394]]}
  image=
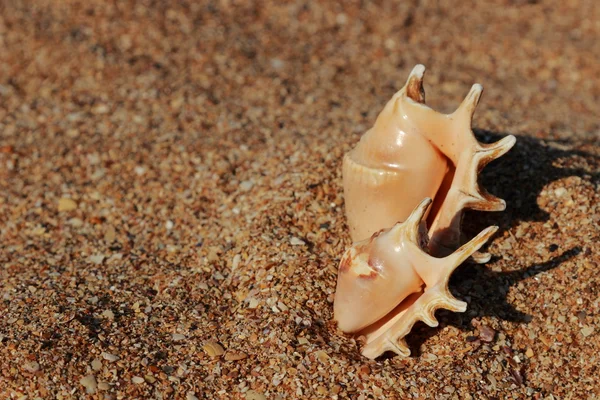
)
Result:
{"points": [[235, 356], [178, 337], [254, 395], [66, 204], [110, 357], [388, 282], [213, 349], [89, 383]]}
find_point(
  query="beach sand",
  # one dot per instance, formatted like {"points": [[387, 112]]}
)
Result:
{"points": [[172, 216]]}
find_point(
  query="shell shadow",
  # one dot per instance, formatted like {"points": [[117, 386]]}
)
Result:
{"points": [[518, 177], [485, 292]]}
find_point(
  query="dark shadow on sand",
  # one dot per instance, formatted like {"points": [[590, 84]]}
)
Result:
{"points": [[485, 292], [518, 177]]}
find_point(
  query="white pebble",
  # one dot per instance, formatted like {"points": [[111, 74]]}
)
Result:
{"points": [[177, 337], [341, 19], [31, 366], [96, 364], [253, 303], [89, 383], [246, 185], [110, 357], [587, 331], [100, 109], [276, 63], [559, 192], [236, 261], [97, 258], [296, 242], [75, 222], [137, 379]]}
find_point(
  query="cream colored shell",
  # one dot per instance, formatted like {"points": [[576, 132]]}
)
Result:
{"points": [[396, 272], [388, 282], [413, 152]]}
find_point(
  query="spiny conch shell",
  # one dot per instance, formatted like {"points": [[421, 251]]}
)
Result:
{"points": [[413, 152], [389, 282]]}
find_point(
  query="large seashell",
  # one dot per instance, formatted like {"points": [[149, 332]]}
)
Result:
{"points": [[388, 282], [413, 152]]}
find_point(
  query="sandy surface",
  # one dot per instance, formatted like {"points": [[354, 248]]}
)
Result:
{"points": [[170, 187]]}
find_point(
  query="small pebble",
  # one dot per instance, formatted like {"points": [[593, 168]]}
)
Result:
{"points": [[72, 133], [559, 192], [253, 303], [76, 222], [89, 383], [178, 337], [254, 395], [139, 170], [110, 357], [110, 234], [235, 356], [97, 259], [108, 314], [31, 366], [486, 333], [587, 331], [246, 185], [100, 109], [529, 352], [303, 341], [276, 63], [296, 242], [137, 380], [322, 356], [213, 349], [66, 204], [97, 364]]}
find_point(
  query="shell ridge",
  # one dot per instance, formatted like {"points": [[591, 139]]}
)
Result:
{"points": [[434, 298], [465, 192]]}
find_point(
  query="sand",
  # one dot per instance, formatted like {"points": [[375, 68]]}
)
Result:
{"points": [[171, 210]]}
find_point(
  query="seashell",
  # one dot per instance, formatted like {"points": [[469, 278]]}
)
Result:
{"points": [[388, 282], [413, 152]]}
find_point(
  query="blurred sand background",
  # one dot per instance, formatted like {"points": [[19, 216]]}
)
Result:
{"points": [[170, 187]]}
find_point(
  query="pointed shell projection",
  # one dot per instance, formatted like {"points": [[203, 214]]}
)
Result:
{"points": [[389, 282], [413, 152]]}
